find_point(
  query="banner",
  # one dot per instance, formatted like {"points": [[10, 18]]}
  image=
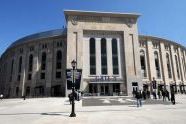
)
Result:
{"points": [[77, 78]]}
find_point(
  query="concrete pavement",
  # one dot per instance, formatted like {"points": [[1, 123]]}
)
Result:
{"points": [[57, 111]]}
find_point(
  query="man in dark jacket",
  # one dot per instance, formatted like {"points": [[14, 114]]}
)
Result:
{"points": [[173, 97], [139, 98], [167, 94]]}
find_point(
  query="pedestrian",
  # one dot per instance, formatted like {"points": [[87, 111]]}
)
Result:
{"points": [[148, 94], [173, 97], [1, 96], [163, 94], [139, 98], [144, 94], [70, 98], [159, 94], [24, 97], [133, 93], [167, 94], [154, 94]]}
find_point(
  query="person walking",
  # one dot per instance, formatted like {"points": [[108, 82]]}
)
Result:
{"points": [[159, 94], [148, 94], [144, 94], [154, 95], [167, 94], [139, 98], [173, 97], [1, 96], [70, 96], [163, 94]]}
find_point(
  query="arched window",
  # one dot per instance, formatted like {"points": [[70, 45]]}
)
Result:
{"points": [[12, 66], [92, 47], [43, 61], [30, 63], [157, 66], [59, 59], [19, 68], [143, 63], [177, 67], [58, 64], [115, 56], [184, 67], [11, 71], [168, 66], [20, 64], [27, 91], [103, 56]]}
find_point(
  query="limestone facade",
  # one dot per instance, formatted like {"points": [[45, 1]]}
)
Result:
{"points": [[114, 59]]}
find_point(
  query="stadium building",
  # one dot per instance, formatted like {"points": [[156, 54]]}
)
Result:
{"points": [[114, 58]]}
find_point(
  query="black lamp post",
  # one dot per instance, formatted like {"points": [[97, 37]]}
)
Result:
{"points": [[73, 63]]}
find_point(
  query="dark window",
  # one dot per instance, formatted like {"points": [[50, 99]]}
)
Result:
{"points": [[43, 61], [103, 56], [92, 45], [44, 46], [58, 65], [18, 77], [168, 66], [177, 67], [29, 76], [42, 76], [32, 48], [115, 56], [17, 91], [143, 65], [12, 66], [30, 62], [27, 91], [21, 50], [116, 88], [157, 65], [59, 60], [59, 44], [20, 64], [11, 71], [58, 75]]}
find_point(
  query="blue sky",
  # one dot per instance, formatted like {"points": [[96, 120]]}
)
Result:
{"points": [[18, 18]]}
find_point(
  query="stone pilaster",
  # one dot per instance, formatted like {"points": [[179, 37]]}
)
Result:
{"points": [[181, 64], [173, 63]]}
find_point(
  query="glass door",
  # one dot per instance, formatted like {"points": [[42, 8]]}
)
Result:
{"points": [[104, 89]]}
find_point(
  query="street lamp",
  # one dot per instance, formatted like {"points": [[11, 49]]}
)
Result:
{"points": [[73, 63]]}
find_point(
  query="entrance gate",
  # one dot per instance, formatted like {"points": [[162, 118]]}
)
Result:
{"points": [[104, 89]]}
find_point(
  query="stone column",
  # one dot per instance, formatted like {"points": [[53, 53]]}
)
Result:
{"points": [[23, 72], [181, 64], [131, 58], [98, 56], [35, 69], [150, 57], [49, 67], [163, 62], [109, 56], [184, 59], [173, 63]]}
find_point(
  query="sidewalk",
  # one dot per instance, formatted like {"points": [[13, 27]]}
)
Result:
{"points": [[57, 111]]}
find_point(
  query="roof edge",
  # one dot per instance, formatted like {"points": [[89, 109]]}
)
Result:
{"points": [[161, 39], [100, 13]]}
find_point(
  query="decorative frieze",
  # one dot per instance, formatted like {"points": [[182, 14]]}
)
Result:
{"points": [[90, 33], [128, 21]]}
